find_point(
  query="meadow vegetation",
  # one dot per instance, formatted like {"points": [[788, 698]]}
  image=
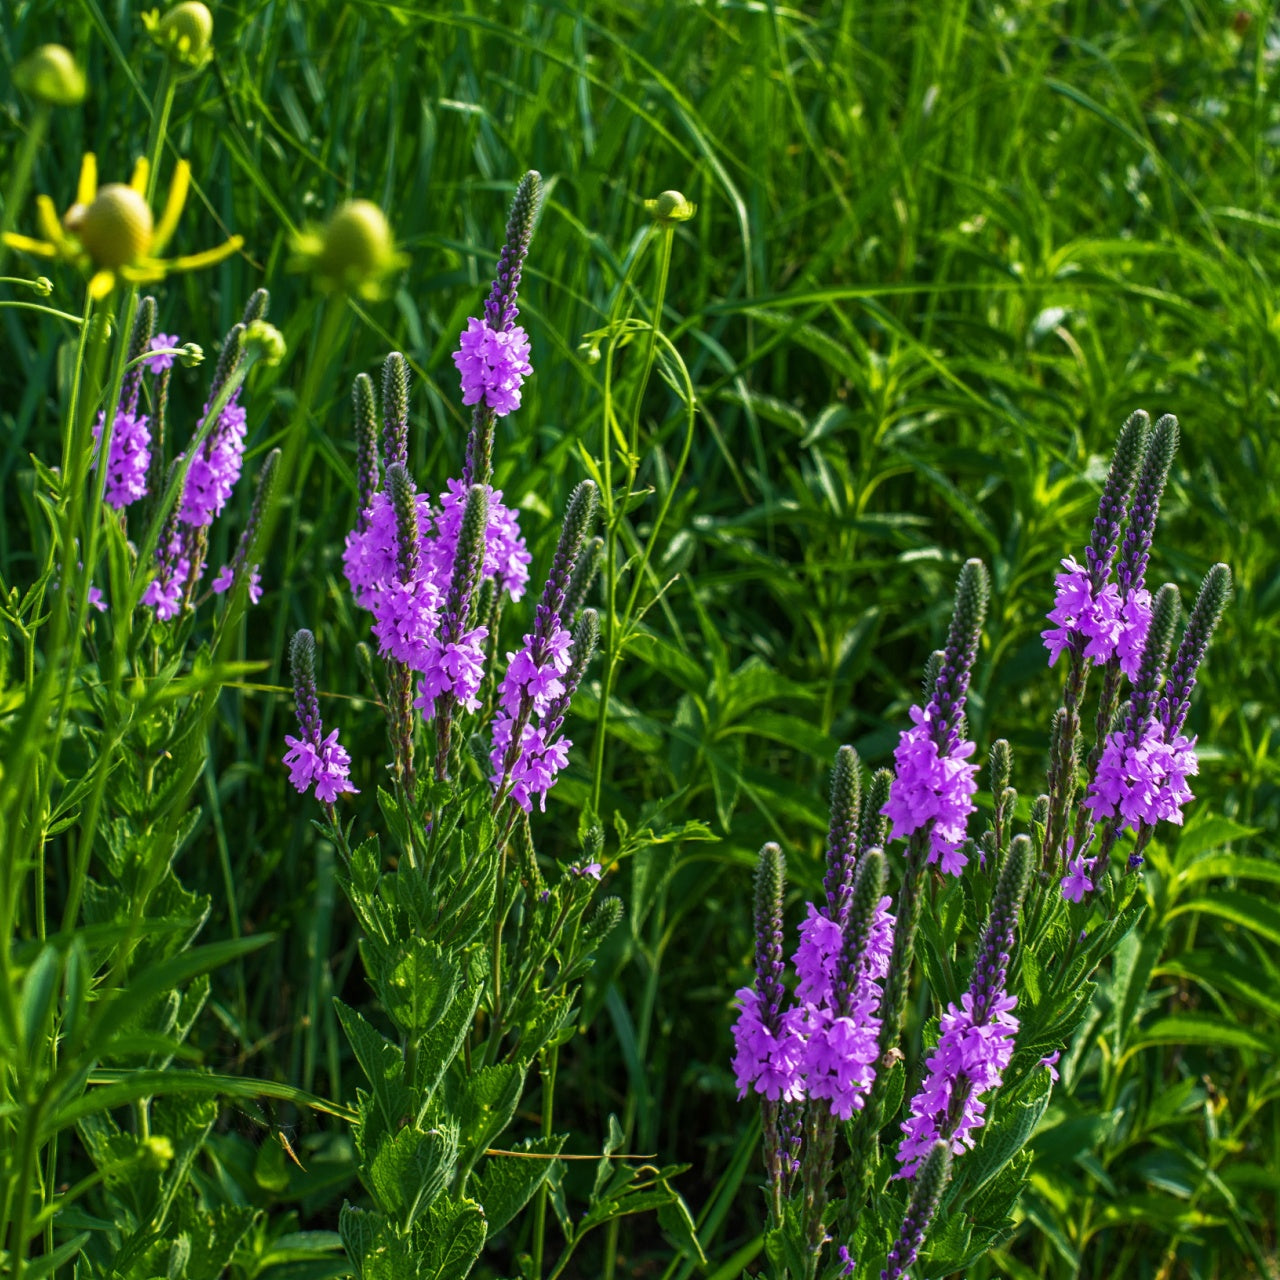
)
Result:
{"points": [[936, 255]]}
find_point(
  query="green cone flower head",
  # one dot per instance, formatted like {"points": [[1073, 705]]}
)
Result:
{"points": [[50, 75], [671, 206], [354, 252], [116, 229], [185, 33]]}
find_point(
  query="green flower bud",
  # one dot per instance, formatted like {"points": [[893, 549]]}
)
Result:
{"points": [[50, 75], [192, 355], [185, 33], [671, 206], [158, 1151], [116, 229], [355, 251], [268, 340]]}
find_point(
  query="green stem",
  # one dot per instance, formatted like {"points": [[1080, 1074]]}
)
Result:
{"points": [[550, 1061], [20, 172], [611, 627]]}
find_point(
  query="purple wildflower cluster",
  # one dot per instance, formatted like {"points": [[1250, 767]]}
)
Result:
{"points": [[824, 1044], [1137, 772], [975, 1040], [418, 567], [211, 477], [1104, 623], [128, 459], [974, 1048], [934, 783], [934, 786], [493, 364], [134, 470], [528, 749], [313, 759], [408, 604], [1142, 776]]}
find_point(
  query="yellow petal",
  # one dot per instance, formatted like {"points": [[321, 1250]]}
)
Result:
{"points": [[147, 271], [88, 185], [178, 188], [40, 247], [194, 261], [141, 172], [101, 285], [47, 217]]}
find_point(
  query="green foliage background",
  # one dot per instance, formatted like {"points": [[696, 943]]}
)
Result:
{"points": [[940, 252]]}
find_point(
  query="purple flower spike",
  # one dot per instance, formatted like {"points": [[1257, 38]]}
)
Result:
{"points": [[934, 786], [932, 790], [128, 460], [313, 759], [493, 365], [975, 1041]]}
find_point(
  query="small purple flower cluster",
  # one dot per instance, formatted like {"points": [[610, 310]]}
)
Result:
{"points": [[1106, 623], [128, 459], [1142, 776], [322, 762], [974, 1048], [975, 1040], [408, 615], [824, 1045], [211, 474], [313, 759], [211, 477], [215, 467], [493, 364], [1138, 772], [932, 787]]}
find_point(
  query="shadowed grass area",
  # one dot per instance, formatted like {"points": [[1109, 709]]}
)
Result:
{"points": [[940, 253]]}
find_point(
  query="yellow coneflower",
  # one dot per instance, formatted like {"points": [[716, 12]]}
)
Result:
{"points": [[110, 230]]}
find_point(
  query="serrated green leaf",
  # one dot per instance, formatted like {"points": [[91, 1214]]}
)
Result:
{"points": [[420, 987], [410, 1168], [450, 1240], [1013, 1120], [380, 1060], [484, 1103], [505, 1184]]}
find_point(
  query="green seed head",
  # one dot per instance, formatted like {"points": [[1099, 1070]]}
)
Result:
{"points": [[267, 340], [50, 75], [115, 229], [356, 249], [185, 33], [671, 206]]}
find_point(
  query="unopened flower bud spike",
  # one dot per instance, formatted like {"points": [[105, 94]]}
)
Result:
{"points": [[842, 831], [368, 475], [926, 1195], [395, 410], [1212, 599]]}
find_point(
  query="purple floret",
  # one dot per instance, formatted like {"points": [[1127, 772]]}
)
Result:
{"points": [[932, 788], [1143, 781], [159, 363], [493, 365], [129, 458]]}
